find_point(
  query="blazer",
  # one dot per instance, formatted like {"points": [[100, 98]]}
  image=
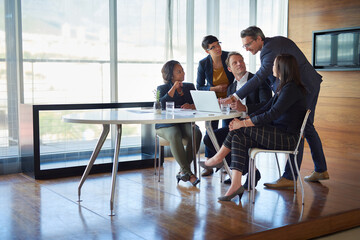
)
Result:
{"points": [[285, 110], [205, 72], [256, 99], [177, 99], [273, 47]]}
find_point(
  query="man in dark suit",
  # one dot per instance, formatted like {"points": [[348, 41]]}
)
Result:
{"points": [[250, 104], [253, 40]]}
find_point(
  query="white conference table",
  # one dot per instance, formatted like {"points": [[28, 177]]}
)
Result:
{"points": [[106, 117]]}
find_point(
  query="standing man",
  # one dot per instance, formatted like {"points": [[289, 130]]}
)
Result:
{"points": [[254, 40]]}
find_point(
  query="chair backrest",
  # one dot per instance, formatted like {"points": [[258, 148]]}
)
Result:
{"points": [[302, 129]]}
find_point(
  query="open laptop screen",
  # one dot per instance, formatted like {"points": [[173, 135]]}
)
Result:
{"points": [[205, 101]]}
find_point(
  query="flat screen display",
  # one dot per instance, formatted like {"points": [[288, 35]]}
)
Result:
{"points": [[336, 49]]}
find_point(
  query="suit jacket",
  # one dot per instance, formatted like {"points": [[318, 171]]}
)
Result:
{"points": [[256, 99], [177, 99], [205, 72], [273, 47], [285, 110]]}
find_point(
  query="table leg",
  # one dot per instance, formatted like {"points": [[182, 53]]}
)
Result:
{"points": [[211, 134], [115, 167], [105, 132]]}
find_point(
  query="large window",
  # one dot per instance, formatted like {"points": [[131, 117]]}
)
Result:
{"points": [[65, 51], [56, 52]]}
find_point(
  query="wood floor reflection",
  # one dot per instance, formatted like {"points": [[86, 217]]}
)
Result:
{"points": [[148, 209]]}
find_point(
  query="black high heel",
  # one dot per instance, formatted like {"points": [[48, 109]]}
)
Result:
{"points": [[178, 177], [239, 192]]}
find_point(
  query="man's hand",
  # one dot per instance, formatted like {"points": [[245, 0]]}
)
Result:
{"points": [[238, 106], [228, 100]]}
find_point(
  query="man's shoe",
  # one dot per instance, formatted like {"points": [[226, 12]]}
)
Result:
{"points": [[316, 176], [281, 183], [207, 172], [257, 178]]}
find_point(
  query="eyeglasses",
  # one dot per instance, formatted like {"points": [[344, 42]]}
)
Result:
{"points": [[248, 44], [213, 47]]}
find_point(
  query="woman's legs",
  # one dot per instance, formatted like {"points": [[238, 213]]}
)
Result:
{"points": [[242, 139], [187, 134], [218, 157], [235, 182], [173, 134]]}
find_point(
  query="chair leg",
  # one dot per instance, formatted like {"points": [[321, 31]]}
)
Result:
{"points": [[299, 176], [277, 162], [249, 171], [198, 166], [159, 161], [253, 179], [156, 138], [292, 172]]}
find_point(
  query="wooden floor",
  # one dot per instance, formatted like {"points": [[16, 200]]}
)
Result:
{"points": [[148, 209]]}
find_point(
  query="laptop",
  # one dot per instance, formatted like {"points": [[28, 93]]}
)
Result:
{"points": [[205, 101]]}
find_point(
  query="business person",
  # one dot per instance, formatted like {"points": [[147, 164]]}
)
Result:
{"points": [[213, 74], [274, 126], [254, 40], [256, 99], [177, 91]]}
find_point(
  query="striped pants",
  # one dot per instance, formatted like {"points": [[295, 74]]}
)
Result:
{"points": [[267, 137]]}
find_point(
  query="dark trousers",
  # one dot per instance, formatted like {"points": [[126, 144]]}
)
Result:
{"points": [[267, 137], [209, 148], [312, 138]]}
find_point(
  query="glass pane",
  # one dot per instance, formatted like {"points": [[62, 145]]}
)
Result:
{"points": [[67, 144], [8, 128], [70, 144], [66, 51], [199, 33], [141, 51], [234, 17]]}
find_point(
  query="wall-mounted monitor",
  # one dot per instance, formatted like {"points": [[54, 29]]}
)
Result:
{"points": [[336, 49]]}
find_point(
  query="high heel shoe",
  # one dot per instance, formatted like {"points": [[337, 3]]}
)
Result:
{"points": [[239, 192], [178, 177], [195, 182], [185, 177], [182, 176], [218, 166]]}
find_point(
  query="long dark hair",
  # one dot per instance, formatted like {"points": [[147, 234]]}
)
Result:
{"points": [[168, 70], [288, 71]]}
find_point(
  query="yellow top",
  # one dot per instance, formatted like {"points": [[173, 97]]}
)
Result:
{"points": [[219, 77]]}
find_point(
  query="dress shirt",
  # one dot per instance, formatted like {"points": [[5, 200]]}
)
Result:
{"points": [[241, 83]]}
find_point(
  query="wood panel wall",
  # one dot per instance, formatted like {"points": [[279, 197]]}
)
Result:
{"points": [[337, 116]]}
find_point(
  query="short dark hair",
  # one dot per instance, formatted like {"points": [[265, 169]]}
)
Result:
{"points": [[208, 40], [227, 61], [168, 70], [252, 32]]}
